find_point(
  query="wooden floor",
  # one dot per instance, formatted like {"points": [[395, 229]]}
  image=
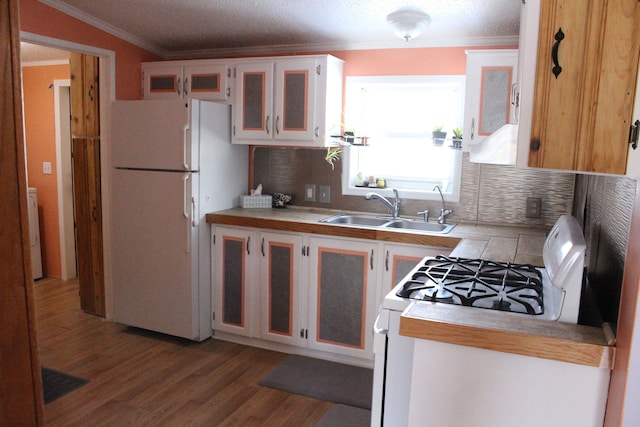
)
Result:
{"points": [[141, 378]]}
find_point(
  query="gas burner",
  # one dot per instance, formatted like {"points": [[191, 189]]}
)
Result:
{"points": [[477, 283]]}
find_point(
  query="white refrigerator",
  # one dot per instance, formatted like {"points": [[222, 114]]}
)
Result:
{"points": [[173, 162]]}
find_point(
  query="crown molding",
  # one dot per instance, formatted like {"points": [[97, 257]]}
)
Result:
{"points": [[104, 26]]}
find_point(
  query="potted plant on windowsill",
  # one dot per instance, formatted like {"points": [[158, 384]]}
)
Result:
{"points": [[457, 138], [438, 135]]}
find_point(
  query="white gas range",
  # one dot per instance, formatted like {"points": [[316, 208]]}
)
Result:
{"points": [[551, 293]]}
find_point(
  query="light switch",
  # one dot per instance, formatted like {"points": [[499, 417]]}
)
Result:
{"points": [[309, 192], [325, 194], [46, 168]]}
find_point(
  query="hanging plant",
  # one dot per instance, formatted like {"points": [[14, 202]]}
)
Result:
{"points": [[333, 154]]}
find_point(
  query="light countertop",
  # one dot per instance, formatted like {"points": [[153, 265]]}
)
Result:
{"points": [[491, 330]]}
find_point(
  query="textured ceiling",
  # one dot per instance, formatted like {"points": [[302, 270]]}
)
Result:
{"points": [[30, 53], [192, 28]]}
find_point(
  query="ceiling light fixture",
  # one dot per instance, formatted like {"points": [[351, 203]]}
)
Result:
{"points": [[408, 22]]}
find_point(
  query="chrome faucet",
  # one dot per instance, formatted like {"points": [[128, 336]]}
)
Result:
{"points": [[393, 207], [442, 219]]}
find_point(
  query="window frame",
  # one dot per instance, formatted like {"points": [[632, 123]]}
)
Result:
{"points": [[353, 88]]}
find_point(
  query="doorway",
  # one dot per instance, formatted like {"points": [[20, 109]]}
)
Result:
{"points": [[66, 221]]}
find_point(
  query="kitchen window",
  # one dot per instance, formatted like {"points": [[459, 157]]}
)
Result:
{"points": [[398, 114]]}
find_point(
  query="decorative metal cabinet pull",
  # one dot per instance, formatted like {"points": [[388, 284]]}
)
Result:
{"points": [[557, 69], [633, 134]]}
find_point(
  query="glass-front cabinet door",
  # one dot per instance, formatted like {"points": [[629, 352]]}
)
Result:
{"points": [[280, 278], [253, 109], [295, 98], [342, 286], [207, 82], [162, 82], [490, 93], [232, 278]]}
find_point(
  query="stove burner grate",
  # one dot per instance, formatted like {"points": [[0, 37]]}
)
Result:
{"points": [[477, 283]]}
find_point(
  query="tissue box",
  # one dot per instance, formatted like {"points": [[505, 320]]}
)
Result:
{"points": [[263, 201]]}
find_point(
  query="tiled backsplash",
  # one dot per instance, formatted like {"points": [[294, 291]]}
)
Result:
{"points": [[604, 205], [489, 194]]}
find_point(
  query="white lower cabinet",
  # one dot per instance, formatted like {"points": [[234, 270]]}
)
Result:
{"points": [[399, 260], [342, 295], [303, 290], [232, 278], [279, 287]]}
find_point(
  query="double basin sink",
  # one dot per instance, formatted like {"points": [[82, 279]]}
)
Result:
{"points": [[388, 223]]}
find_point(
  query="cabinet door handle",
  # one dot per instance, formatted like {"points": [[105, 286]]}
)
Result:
{"points": [[371, 259], [277, 125], [248, 242], [473, 128], [266, 124], [178, 86], [262, 247], [185, 142], [386, 261], [557, 69], [186, 86]]}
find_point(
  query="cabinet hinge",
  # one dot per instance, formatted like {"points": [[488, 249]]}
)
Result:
{"points": [[633, 134], [318, 69]]}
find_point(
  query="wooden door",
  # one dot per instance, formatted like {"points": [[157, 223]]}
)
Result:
{"points": [[85, 130], [21, 401], [586, 72], [88, 213]]}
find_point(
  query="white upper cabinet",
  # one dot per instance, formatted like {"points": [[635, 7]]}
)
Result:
{"points": [[207, 79], [287, 101], [490, 98]]}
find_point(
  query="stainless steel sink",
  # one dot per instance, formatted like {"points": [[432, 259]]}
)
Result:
{"points": [[432, 227], [378, 222], [363, 220]]}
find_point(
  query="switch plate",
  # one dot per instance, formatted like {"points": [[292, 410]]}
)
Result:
{"points": [[46, 168], [325, 194], [534, 206], [309, 192]]}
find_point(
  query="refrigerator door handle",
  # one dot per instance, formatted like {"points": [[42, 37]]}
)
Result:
{"points": [[185, 129], [194, 217], [185, 208]]}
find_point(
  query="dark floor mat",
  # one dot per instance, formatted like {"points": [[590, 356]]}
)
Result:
{"points": [[56, 384], [345, 416], [322, 379]]}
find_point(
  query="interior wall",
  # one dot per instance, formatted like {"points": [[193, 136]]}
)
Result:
{"points": [[488, 194], [38, 18], [40, 141]]}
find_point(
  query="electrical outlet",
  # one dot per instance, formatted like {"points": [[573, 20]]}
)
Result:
{"points": [[309, 192], [325, 194], [534, 206], [46, 168]]}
